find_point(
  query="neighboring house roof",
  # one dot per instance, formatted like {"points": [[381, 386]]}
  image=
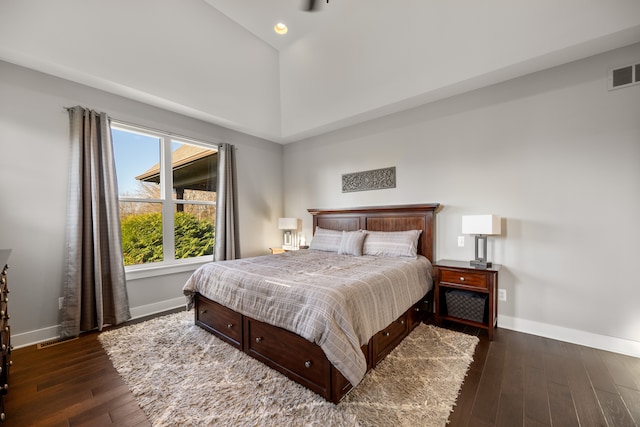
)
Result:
{"points": [[194, 168]]}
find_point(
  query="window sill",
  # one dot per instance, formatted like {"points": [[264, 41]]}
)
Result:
{"points": [[144, 271]]}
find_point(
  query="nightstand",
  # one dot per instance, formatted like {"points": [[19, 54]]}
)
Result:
{"points": [[471, 292]]}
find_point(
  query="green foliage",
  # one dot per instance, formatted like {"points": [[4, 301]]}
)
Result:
{"points": [[142, 237], [193, 238]]}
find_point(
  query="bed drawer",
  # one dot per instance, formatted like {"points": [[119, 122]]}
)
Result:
{"points": [[288, 353], [385, 340], [460, 277], [225, 323]]}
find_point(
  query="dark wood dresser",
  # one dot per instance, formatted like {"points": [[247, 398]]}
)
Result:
{"points": [[5, 331]]}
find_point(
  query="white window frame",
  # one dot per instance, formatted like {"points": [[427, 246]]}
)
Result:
{"points": [[170, 264]]}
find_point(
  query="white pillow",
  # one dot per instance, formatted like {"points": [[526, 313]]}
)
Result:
{"points": [[392, 243], [326, 240], [352, 242]]}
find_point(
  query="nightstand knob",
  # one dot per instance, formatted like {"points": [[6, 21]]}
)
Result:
{"points": [[462, 279], [203, 311], [307, 364], [230, 325], [258, 339], [402, 322], [386, 334], [416, 309]]}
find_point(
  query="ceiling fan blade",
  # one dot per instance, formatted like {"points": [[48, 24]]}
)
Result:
{"points": [[311, 4]]}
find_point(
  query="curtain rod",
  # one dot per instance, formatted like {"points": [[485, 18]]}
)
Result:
{"points": [[150, 129]]}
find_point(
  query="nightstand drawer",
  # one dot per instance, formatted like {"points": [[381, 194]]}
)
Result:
{"points": [[477, 280]]}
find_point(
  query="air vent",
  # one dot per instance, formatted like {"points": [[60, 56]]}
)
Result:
{"points": [[53, 342], [624, 76]]}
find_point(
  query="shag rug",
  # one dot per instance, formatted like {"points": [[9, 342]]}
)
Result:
{"points": [[182, 375]]}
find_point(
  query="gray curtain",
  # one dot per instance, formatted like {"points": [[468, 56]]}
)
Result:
{"points": [[226, 238], [95, 292]]}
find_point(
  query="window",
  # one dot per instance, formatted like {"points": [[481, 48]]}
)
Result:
{"points": [[167, 195]]}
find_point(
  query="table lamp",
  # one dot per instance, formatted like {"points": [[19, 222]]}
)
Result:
{"points": [[481, 226], [290, 227]]}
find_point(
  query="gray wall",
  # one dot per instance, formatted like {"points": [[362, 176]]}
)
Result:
{"points": [[33, 188], [555, 153]]}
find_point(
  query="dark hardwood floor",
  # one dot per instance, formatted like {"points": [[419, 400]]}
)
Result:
{"points": [[515, 380], [525, 380]]}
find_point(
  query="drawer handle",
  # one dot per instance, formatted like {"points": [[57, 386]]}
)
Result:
{"points": [[386, 334], [462, 279], [230, 325], [402, 322], [203, 311], [258, 339], [416, 309], [307, 364]]}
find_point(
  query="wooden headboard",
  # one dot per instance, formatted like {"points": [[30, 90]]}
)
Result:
{"points": [[383, 218]]}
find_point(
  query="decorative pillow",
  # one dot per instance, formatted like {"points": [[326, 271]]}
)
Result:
{"points": [[326, 240], [392, 243], [351, 243]]}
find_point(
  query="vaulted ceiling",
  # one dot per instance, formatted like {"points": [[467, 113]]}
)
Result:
{"points": [[351, 61]]}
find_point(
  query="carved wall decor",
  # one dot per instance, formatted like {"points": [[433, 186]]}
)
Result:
{"points": [[376, 179]]}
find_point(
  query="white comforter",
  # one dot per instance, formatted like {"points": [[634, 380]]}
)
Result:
{"points": [[336, 301]]}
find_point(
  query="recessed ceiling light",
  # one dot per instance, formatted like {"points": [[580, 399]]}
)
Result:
{"points": [[280, 28]]}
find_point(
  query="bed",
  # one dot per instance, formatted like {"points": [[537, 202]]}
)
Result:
{"points": [[331, 336]]}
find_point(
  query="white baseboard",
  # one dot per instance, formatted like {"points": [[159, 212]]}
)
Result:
{"points": [[34, 337], [574, 336]]}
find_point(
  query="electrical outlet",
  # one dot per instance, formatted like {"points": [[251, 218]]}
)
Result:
{"points": [[502, 294], [60, 303], [461, 241]]}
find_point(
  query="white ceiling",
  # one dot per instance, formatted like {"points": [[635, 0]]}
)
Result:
{"points": [[351, 61], [416, 51], [260, 16]]}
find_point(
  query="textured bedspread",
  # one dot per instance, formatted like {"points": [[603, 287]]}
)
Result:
{"points": [[337, 301]]}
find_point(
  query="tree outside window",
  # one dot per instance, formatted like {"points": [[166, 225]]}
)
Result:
{"points": [[167, 195]]}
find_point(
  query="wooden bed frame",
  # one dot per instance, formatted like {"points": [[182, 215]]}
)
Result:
{"points": [[302, 360]]}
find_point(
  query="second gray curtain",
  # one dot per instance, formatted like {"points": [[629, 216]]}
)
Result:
{"points": [[95, 291], [226, 239]]}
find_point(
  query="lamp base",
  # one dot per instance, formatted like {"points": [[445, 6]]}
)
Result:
{"points": [[480, 263]]}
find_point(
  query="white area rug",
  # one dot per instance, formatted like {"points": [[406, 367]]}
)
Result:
{"points": [[183, 375]]}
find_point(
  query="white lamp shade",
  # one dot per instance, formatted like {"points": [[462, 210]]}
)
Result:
{"points": [[288, 223], [481, 224]]}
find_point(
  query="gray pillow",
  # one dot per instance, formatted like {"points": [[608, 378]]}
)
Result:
{"points": [[352, 242], [392, 243], [326, 240]]}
